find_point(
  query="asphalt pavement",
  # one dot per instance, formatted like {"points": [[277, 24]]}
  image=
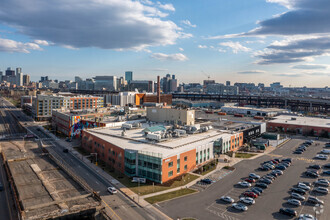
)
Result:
{"points": [[206, 204]]}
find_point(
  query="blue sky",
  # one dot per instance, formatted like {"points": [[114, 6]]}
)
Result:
{"points": [[236, 40]]}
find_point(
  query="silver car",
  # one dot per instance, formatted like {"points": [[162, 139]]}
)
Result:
{"points": [[322, 183], [321, 190], [239, 206], [294, 202], [244, 184], [303, 186], [227, 199], [247, 200], [297, 196]]}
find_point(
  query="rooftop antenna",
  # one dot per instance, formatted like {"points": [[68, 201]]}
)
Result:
{"points": [[208, 76]]}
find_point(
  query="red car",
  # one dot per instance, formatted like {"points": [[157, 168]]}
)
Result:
{"points": [[275, 161], [250, 194], [250, 180]]}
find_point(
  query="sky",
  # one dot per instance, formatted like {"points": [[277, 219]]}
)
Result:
{"points": [[252, 41]]}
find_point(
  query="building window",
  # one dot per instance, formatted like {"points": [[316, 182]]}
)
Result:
{"points": [[185, 158], [185, 167], [170, 164], [170, 173], [178, 170]]}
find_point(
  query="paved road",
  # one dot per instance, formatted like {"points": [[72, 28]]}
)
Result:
{"points": [[206, 205], [119, 206]]}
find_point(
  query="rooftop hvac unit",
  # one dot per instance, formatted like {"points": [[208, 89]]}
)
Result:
{"points": [[293, 119]]}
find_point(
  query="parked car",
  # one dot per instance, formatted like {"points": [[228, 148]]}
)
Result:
{"points": [[326, 172], [326, 165], [263, 168], [262, 185], [278, 172], [284, 164], [311, 174], [244, 184], [269, 176], [314, 200], [322, 183], [315, 166], [254, 176], [264, 180], [321, 190], [325, 151], [306, 217], [250, 194], [306, 183], [301, 148], [294, 202], [297, 196], [288, 159], [207, 181], [303, 186], [247, 200], [321, 157], [239, 206], [258, 189], [65, 150], [227, 199], [249, 180], [287, 211], [298, 190], [112, 190], [297, 152], [280, 167]]}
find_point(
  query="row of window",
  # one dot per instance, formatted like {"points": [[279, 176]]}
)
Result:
{"points": [[170, 173], [170, 164]]}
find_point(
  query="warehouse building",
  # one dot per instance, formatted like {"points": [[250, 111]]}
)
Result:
{"points": [[156, 152], [251, 111], [300, 125]]}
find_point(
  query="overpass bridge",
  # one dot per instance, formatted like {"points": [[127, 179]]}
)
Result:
{"points": [[293, 103]]}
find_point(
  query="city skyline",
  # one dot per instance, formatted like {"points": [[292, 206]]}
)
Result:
{"points": [[256, 41]]}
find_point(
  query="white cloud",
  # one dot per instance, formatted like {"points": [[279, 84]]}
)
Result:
{"points": [[181, 49], [107, 24], [202, 46], [7, 45], [168, 7], [185, 35], [170, 57], [188, 23], [310, 66], [41, 42], [235, 46]]}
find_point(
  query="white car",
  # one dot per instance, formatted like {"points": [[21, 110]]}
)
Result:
{"points": [[244, 184], [325, 151], [322, 183], [303, 186], [112, 190], [247, 200], [239, 206], [321, 157], [306, 217], [227, 199]]}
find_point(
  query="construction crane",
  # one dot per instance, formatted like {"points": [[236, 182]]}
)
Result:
{"points": [[208, 76]]}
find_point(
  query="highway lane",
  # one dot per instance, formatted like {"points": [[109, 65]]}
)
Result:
{"points": [[119, 203]]}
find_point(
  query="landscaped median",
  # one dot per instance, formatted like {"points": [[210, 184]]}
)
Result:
{"points": [[169, 195], [244, 155]]}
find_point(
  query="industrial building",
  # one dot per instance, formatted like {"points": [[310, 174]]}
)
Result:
{"points": [[201, 104], [171, 115], [300, 125], [252, 111], [43, 105], [156, 152], [42, 187]]}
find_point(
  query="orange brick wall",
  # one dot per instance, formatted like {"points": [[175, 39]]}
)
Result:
{"points": [[114, 158], [191, 164], [232, 141]]}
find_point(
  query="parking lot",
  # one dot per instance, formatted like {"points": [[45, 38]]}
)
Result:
{"points": [[207, 204]]}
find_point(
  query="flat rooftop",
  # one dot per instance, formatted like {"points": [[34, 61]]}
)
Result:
{"points": [[43, 188], [304, 121], [256, 109], [134, 139]]}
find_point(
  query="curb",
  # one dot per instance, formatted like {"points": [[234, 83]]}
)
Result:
{"points": [[176, 197]]}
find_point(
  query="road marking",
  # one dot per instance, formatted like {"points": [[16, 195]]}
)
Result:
{"points": [[97, 183], [114, 213], [87, 174], [123, 207]]}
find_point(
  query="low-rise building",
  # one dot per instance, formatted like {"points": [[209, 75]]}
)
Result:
{"points": [[300, 125], [159, 157], [252, 111], [171, 115]]}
